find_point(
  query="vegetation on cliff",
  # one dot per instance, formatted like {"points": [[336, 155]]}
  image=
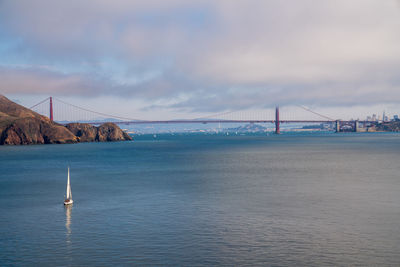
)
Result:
{"points": [[22, 126]]}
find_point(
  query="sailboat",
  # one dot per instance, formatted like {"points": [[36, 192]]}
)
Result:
{"points": [[68, 200]]}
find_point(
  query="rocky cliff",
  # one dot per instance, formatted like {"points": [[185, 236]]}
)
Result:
{"points": [[104, 133], [85, 132], [22, 126], [27, 131]]}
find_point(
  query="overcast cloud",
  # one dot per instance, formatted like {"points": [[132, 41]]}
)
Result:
{"points": [[204, 55]]}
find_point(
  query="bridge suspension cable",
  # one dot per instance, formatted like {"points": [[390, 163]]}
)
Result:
{"points": [[67, 112], [216, 115], [95, 112], [41, 102], [316, 113]]}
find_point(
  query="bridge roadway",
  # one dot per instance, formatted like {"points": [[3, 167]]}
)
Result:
{"points": [[206, 120], [225, 121]]}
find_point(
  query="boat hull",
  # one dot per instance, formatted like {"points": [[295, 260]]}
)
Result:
{"points": [[68, 202]]}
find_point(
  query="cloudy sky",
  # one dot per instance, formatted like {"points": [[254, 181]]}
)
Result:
{"points": [[168, 58]]}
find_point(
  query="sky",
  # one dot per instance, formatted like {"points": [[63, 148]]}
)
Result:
{"points": [[163, 59]]}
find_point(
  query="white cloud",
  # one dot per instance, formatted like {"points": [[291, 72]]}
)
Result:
{"points": [[218, 54]]}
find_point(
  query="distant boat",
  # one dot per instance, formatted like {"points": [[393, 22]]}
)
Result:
{"points": [[68, 200]]}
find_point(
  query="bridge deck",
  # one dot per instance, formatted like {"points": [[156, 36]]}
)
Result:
{"points": [[224, 121]]}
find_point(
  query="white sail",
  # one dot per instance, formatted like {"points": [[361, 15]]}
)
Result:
{"points": [[69, 193]]}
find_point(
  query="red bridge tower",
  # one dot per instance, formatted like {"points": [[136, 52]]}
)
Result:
{"points": [[51, 108], [277, 122]]}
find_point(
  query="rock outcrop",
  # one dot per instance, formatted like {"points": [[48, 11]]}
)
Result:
{"points": [[27, 131], [85, 132], [106, 132], [22, 126], [111, 132]]}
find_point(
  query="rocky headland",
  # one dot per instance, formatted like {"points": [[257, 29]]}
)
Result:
{"points": [[22, 126], [104, 133]]}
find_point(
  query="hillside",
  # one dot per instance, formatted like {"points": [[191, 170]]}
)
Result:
{"points": [[22, 126]]}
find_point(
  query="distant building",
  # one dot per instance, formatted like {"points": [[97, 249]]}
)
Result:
{"points": [[396, 117]]}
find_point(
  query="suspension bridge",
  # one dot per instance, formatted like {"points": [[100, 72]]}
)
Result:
{"points": [[63, 112]]}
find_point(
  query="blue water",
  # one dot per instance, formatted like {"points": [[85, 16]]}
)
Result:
{"points": [[310, 200]]}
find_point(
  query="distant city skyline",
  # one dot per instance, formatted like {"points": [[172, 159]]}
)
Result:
{"points": [[185, 59]]}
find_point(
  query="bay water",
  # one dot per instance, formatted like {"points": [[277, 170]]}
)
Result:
{"points": [[204, 200]]}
